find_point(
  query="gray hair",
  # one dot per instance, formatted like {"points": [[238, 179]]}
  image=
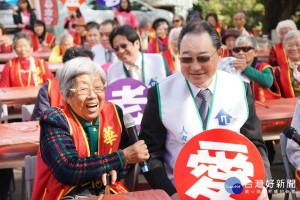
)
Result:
{"points": [[81, 65], [246, 39], [290, 35], [21, 35], [65, 37], [173, 31], [143, 22], [243, 14], [286, 24]]}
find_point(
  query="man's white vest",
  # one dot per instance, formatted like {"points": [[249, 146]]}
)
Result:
{"points": [[180, 115], [100, 55], [154, 69]]}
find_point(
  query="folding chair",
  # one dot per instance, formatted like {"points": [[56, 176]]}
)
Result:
{"points": [[30, 166], [283, 143], [27, 112]]}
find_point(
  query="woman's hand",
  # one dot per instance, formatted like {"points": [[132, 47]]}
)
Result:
{"points": [[12, 7], [113, 174], [136, 153], [20, 25], [175, 196], [239, 64]]}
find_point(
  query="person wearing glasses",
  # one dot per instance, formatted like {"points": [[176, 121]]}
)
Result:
{"points": [[264, 85], [174, 103], [178, 21], [84, 138], [145, 67]]}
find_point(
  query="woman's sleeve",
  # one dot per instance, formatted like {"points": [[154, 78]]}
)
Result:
{"points": [[134, 22], [32, 20], [54, 56], [5, 76], [17, 18], [59, 153], [263, 78]]}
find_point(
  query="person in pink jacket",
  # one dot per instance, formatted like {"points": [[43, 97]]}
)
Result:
{"points": [[124, 14]]}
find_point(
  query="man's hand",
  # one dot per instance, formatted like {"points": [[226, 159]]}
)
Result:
{"points": [[263, 195]]}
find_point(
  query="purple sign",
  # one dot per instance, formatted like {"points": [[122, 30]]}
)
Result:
{"points": [[130, 95], [109, 3]]}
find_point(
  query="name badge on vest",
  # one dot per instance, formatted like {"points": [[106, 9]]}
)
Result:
{"points": [[223, 118], [152, 82]]}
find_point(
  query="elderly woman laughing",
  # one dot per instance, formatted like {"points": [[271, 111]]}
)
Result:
{"points": [[84, 139]]}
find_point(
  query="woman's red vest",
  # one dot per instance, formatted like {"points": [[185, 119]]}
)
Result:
{"points": [[262, 94], [49, 39], [46, 186]]}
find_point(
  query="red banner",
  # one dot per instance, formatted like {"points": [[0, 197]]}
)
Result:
{"points": [[72, 5], [49, 12]]}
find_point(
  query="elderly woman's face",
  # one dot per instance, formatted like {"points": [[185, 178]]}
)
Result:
{"points": [[161, 32], [282, 32], [292, 48], [23, 48], [87, 106], [66, 44], [247, 52]]}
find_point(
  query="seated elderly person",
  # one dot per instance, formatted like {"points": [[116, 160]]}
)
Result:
{"points": [[228, 39], [83, 139], [172, 55], [24, 70], [58, 51], [287, 74], [264, 85], [49, 96], [277, 55]]}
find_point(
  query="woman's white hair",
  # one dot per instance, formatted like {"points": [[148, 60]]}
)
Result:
{"points": [[286, 24], [246, 39], [290, 35], [66, 75]]}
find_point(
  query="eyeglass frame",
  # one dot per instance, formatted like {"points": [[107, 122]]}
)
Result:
{"points": [[90, 89], [122, 46], [193, 57], [244, 49]]}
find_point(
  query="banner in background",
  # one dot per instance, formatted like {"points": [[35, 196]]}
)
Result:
{"points": [[11, 2], [72, 5], [109, 3], [48, 12]]}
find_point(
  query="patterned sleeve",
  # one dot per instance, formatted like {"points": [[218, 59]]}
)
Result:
{"points": [[60, 155]]}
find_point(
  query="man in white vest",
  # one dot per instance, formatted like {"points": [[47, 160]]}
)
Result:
{"points": [[145, 67], [189, 101], [103, 52]]}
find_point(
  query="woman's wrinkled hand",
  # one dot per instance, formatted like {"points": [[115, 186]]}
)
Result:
{"points": [[239, 64], [113, 175], [136, 153]]}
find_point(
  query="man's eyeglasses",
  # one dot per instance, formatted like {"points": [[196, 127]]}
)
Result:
{"points": [[200, 59], [87, 90], [176, 20], [122, 46], [244, 49]]}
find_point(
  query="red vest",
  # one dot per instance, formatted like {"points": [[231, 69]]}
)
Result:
{"points": [[280, 54], [151, 33], [54, 94], [285, 80], [154, 43], [46, 187], [262, 94], [226, 53], [168, 56], [49, 39], [16, 77], [218, 28], [77, 39]]}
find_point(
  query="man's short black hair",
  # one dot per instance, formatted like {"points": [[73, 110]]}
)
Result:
{"points": [[109, 21], [127, 31], [197, 27], [92, 25], [75, 52]]}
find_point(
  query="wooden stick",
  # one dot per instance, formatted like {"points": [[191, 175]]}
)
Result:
{"points": [[101, 197], [264, 105]]}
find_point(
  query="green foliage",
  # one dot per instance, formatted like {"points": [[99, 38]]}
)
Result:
{"points": [[225, 9]]}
